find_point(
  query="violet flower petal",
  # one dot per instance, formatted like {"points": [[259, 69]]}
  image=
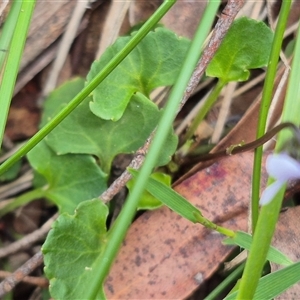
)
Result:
{"points": [[282, 167], [270, 192]]}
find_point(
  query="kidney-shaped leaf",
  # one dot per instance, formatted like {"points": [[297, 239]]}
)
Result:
{"points": [[83, 132], [70, 178], [72, 248], [246, 46], [59, 98], [154, 62]]}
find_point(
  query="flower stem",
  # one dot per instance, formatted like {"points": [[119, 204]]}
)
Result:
{"points": [[204, 110]]}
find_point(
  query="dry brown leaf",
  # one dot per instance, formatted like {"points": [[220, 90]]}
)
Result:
{"points": [[183, 18], [44, 37], [28, 217], [140, 11], [24, 116], [48, 23], [167, 257]]}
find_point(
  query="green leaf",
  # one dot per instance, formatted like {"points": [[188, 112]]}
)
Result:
{"points": [[153, 63], [275, 283], [83, 132], [244, 240], [147, 200], [72, 249], [170, 198], [70, 178], [246, 46], [59, 98], [169, 148]]}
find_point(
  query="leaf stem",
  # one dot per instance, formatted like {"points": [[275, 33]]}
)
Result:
{"points": [[213, 96], [210, 225], [264, 108], [231, 278], [22, 200]]}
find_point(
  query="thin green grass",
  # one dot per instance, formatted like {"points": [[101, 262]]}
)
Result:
{"points": [[269, 213], [21, 16]]}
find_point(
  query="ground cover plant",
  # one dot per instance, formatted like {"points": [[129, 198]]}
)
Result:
{"points": [[89, 121]]}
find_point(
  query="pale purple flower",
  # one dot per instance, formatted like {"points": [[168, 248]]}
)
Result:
{"points": [[282, 168]]}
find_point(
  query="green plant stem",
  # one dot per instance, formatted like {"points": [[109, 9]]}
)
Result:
{"points": [[89, 88], [272, 285], [233, 276], [213, 96], [264, 108], [13, 60], [8, 30], [119, 229], [269, 214], [22, 200], [210, 225]]}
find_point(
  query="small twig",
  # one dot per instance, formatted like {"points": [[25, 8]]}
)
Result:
{"points": [[119, 183], [28, 240], [11, 281], [37, 281], [240, 148], [221, 28]]}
